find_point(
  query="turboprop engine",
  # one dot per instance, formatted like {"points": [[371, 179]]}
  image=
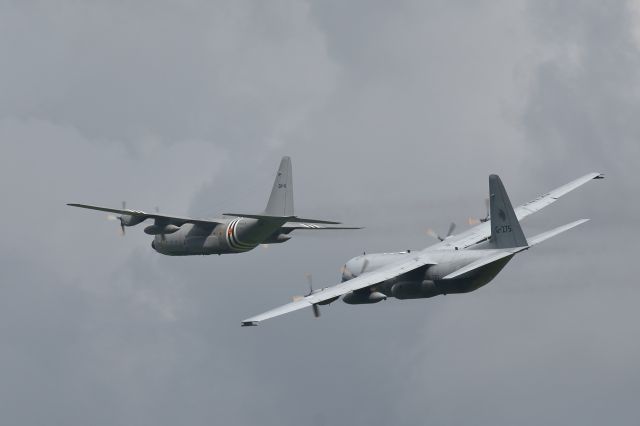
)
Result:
{"points": [[159, 229], [130, 220], [414, 290], [275, 239], [362, 297]]}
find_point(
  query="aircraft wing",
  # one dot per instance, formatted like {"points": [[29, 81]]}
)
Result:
{"points": [[176, 220], [363, 281], [481, 232]]}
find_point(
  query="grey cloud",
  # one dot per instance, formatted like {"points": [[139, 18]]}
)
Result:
{"points": [[168, 71], [394, 116]]}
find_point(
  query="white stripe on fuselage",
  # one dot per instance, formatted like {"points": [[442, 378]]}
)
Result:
{"points": [[232, 238]]}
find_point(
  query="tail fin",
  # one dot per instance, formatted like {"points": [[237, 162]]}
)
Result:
{"points": [[281, 199], [505, 228]]}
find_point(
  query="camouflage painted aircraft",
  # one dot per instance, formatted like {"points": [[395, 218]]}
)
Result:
{"points": [[235, 233], [458, 264]]}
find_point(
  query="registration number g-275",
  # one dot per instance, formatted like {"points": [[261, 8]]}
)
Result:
{"points": [[502, 229]]}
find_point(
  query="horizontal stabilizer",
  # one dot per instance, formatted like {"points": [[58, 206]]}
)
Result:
{"points": [[313, 227], [282, 218], [552, 233], [532, 241], [483, 262]]}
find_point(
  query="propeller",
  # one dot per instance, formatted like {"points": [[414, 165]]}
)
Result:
{"points": [[163, 237], [119, 218], [434, 234], [476, 221], [364, 266], [316, 309], [345, 271]]}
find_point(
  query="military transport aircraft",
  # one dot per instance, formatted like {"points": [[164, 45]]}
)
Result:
{"points": [[458, 264], [237, 233]]}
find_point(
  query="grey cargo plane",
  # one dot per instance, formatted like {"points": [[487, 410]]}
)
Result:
{"points": [[458, 264], [237, 233]]}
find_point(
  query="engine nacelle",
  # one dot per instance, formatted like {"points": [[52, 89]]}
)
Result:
{"points": [[130, 220], [414, 290], [359, 298], [156, 230], [275, 239]]}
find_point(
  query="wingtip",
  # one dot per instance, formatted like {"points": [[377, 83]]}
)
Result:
{"points": [[249, 324], [599, 176]]}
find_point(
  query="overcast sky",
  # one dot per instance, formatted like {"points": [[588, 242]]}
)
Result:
{"points": [[394, 114]]}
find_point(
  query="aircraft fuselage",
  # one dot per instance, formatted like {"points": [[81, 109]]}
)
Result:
{"points": [[231, 235], [427, 281]]}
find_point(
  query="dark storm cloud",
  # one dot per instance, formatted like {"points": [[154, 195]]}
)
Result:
{"points": [[394, 116], [585, 95], [162, 70]]}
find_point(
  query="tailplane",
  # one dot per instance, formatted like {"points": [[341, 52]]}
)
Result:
{"points": [[505, 228], [280, 205], [281, 199]]}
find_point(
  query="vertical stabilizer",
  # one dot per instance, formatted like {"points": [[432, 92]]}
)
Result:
{"points": [[505, 228], [281, 199]]}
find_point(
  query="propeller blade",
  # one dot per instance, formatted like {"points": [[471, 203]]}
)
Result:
{"points": [[364, 266], [345, 273], [452, 226], [122, 231], [310, 281], [432, 233]]}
